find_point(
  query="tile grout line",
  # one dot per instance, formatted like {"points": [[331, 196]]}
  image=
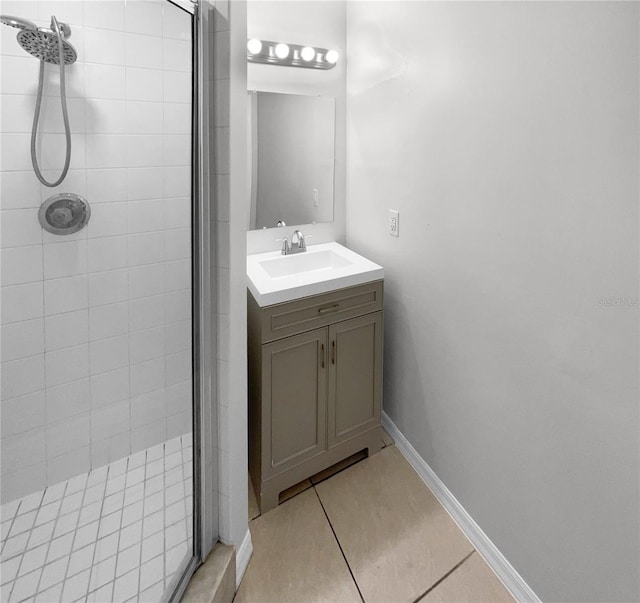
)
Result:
{"points": [[338, 543], [441, 580]]}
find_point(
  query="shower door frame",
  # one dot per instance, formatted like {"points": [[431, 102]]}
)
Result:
{"points": [[205, 490]]}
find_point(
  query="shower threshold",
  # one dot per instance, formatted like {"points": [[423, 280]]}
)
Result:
{"points": [[122, 532]]}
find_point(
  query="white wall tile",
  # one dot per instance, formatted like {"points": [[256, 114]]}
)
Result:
{"points": [[23, 413], [21, 265], [107, 253], [109, 354], [68, 400], [106, 151], [107, 220], [177, 55], [72, 10], [144, 17], [144, 183], [109, 450], [147, 376], [110, 320], [177, 87], [178, 397], [107, 14], [20, 227], [108, 388], [178, 336], [65, 295], [67, 364], [24, 481], [51, 158], [71, 434], [66, 330], [108, 287], [146, 313], [22, 339], [106, 116], [146, 216], [177, 306], [146, 248], [16, 111], [146, 344], [179, 424], [146, 281], [103, 46], [65, 259], [22, 302], [175, 23], [19, 75], [144, 150], [19, 190], [110, 420], [22, 450], [148, 435], [177, 275], [177, 149], [21, 377], [51, 119], [144, 117], [147, 408], [105, 81], [106, 185], [177, 118], [67, 465], [147, 85], [178, 367], [143, 51], [177, 181], [177, 243], [177, 213]]}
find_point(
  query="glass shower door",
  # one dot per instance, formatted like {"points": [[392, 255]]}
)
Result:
{"points": [[97, 386]]}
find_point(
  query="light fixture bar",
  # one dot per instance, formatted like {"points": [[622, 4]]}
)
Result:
{"points": [[290, 55]]}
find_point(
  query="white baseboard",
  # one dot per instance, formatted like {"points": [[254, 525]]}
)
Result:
{"points": [[243, 556], [494, 558]]}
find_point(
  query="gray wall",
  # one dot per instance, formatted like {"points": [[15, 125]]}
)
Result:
{"points": [[507, 136]]}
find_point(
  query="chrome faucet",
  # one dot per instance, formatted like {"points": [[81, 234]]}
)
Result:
{"points": [[297, 243]]}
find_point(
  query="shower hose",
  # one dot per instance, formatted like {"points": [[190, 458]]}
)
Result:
{"points": [[65, 115]]}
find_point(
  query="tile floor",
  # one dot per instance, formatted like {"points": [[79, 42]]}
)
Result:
{"points": [[372, 532], [119, 533]]}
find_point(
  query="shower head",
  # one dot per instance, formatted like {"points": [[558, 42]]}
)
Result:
{"points": [[18, 22], [43, 44]]}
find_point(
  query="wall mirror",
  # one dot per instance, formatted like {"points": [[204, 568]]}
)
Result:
{"points": [[292, 159]]}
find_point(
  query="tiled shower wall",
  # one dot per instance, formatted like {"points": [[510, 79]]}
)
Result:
{"points": [[96, 329]]}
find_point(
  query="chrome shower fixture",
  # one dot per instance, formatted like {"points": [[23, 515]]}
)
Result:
{"points": [[41, 42], [49, 46]]}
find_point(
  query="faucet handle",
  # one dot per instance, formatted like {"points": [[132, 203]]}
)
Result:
{"points": [[285, 245]]}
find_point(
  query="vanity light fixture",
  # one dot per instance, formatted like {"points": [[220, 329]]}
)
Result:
{"points": [[290, 55]]}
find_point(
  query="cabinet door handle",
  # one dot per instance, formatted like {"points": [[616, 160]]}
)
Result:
{"points": [[329, 309], [333, 352], [322, 353]]}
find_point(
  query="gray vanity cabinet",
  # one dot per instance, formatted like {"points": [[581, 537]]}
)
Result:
{"points": [[315, 385]]}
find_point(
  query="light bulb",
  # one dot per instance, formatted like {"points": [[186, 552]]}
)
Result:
{"points": [[254, 46], [332, 57], [308, 53], [282, 51]]}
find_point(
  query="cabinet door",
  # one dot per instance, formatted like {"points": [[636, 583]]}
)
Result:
{"points": [[294, 386], [355, 377]]}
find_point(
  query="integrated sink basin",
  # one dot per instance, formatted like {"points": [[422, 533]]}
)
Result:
{"points": [[275, 278]]}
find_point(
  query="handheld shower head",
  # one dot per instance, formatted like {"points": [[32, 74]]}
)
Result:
{"points": [[18, 22]]}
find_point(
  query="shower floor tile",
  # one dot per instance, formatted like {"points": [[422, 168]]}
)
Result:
{"points": [[119, 533]]}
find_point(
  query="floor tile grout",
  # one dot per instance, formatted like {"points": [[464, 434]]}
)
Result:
{"points": [[338, 543], [441, 580]]}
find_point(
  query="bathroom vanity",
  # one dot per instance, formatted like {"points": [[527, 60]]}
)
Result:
{"points": [[315, 364]]}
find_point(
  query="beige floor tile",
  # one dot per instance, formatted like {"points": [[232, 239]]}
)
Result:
{"points": [[254, 509], [296, 558], [472, 582], [386, 439], [397, 538]]}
